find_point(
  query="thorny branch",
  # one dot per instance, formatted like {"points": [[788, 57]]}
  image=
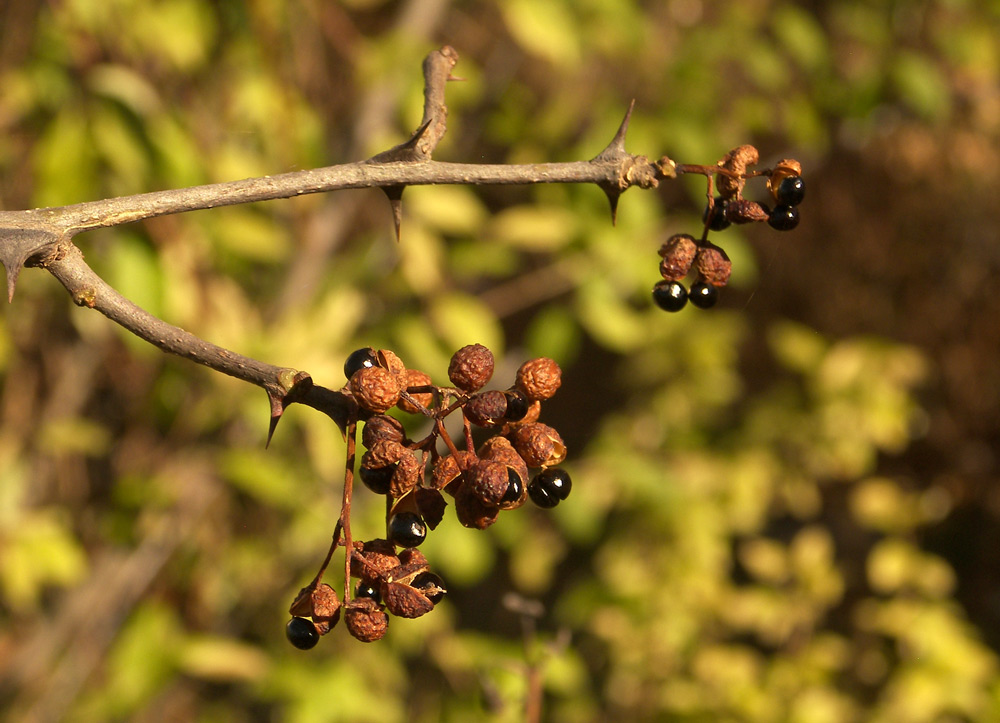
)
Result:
{"points": [[44, 237]]}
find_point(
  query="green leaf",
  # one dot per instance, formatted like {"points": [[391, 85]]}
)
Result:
{"points": [[533, 228], [544, 27], [460, 319]]}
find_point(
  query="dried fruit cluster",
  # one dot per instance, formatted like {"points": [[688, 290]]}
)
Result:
{"points": [[393, 577], [683, 255]]}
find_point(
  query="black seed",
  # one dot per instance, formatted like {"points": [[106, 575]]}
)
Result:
{"points": [[407, 529], [359, 359], [517, 405], [301, 633], [366, 588], [704, 295], [783, 218], [379, 479], [515, 487], [670, 295], [426, 582], [549, 487], [791, 191], [718, 222]]}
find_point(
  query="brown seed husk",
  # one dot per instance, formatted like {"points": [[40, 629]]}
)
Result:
{"points": [[713, 265], [539, 445], [377, 559], [407, 475], [404, 601], [365, 620], [471, 367], [382, 453], [499, 449], [737, 161], [539, 378], [743, 211], [375, 388], [381, 427], [488, 481], [416, 378], [678, 254], [447, 469], [486, 409], [471, 512]]}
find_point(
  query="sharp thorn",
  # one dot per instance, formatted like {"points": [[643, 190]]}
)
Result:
{"points": [[613, 196], [12, 274], [616, 147], [395, 195]]}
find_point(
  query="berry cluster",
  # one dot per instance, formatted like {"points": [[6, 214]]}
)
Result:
{"points": [[681, 253], [393, 577]]}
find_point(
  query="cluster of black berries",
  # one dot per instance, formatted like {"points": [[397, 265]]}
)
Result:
{"points": [[415, 475], [681, 252]]}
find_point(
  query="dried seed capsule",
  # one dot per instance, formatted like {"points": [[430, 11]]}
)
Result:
{"points": [[389, 361], [379, 427], [736, 161], [375, 388], [488, 481], [471, 512], [743, 211], [373, 558], [539, 378], [499, 449], [471, 367], [539, 445], [365, 620], [382, 453], [713, 266], [406, 476], [785, 168], [415, 378], [678, 254], [447, 470], [486, 409], [431, 585], [404, 601]]}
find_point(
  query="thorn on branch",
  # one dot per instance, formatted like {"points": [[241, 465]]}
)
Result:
{"points": [[395, 196]]}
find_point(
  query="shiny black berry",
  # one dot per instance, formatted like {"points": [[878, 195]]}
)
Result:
{"points": [[703, 295], [407, 529], [517, 405], [366, 588], [791, 191], [359, 359], [430, 585], [718, 221], [549, 487], [378, 480], [670, 295], [301, 633], [515, 488], [783, 218]]}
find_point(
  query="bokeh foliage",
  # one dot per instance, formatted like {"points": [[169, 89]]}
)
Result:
{"points": [[747, 536]]}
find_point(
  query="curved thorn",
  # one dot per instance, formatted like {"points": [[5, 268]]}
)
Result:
{"points": [[12, 274], [613, 196]]}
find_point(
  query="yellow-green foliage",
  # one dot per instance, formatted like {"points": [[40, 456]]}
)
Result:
{"points": [[729, 553]]}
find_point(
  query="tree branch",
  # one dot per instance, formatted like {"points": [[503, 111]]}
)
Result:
{"points": [[43, 237]]}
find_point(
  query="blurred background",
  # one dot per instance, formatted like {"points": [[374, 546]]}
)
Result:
{"points": [[784, 509]]}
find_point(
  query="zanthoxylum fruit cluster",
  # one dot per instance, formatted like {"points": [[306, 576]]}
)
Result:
{"points": [[682, 254], [393, 576]]}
